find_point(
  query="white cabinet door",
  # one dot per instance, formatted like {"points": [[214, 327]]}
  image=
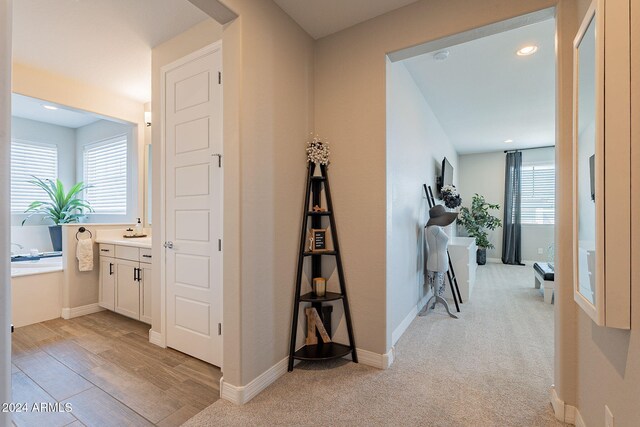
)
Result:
{"points": [[145, 292], [107, 291], [127, 289]]}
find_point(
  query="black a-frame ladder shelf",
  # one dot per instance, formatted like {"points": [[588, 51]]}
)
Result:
{"points": [[313, 219]]}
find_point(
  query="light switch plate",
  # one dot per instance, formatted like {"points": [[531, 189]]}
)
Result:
{"points": [[608, 417]]}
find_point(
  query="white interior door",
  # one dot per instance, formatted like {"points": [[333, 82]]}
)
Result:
{"points": [[193, 203]]}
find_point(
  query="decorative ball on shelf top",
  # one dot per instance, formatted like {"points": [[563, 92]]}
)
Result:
{"points": [[318, 151]]}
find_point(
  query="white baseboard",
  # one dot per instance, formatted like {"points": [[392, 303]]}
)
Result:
{"points": [[243, 394], [70, 313], [566, 413], [494, 260], [406, 322], [376, 360], [579, 422], [402, 327], [156, 338]]}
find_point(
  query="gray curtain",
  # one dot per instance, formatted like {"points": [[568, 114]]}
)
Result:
{"points": [[512, 233]]}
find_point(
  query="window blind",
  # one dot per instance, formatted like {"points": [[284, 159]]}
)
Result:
{"points": [[29, 159], [538, 194], [105, 171]]}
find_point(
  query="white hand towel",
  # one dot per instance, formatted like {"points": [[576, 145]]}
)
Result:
{"points": [[84, 253]]}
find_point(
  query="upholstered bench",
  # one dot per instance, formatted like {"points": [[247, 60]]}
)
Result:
{"points": [[544, 276]]}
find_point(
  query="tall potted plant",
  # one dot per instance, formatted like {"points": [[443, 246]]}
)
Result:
{"points": [[61, 208], [477, 221]]}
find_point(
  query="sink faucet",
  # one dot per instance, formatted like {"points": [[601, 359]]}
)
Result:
{"points": [[16, 244]]}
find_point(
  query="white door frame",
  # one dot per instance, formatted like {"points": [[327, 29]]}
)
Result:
{"points": [[163, 169]]}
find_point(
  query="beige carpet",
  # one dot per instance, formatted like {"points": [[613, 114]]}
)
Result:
{"points": [[492, 367]]}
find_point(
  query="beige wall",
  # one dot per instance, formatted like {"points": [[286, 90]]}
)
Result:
{"points": [[484, 174], [270, 61], [608, 362], [565, 308]]}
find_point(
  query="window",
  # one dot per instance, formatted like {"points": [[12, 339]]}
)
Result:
{"points": [[105, 171], [29, 159], [538, 194]]}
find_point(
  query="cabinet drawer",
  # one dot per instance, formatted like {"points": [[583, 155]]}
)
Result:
{"points": [[128, 252], [145, 255], [107, 250]]}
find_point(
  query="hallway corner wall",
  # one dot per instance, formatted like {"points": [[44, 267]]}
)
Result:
{"points": [[5, 218]]}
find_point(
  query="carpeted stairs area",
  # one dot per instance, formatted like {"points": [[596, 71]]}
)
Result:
{"points": [[491, 367]]}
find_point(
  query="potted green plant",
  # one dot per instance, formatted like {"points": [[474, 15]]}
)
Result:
{"points": [[477, 221], [61, 208]]}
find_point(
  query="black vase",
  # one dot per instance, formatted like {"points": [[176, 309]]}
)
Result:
{"points": [[55, 232], [481, 256]]}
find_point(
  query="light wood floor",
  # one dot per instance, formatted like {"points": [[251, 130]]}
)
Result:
{"points": [[104, 365]]}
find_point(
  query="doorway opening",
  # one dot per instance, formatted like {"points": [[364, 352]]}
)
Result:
{"points": [[471, 119]]}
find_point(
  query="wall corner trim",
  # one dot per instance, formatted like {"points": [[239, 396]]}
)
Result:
{"points": [[563, 412], [83, 310], [243, 394], [376, 360], [156, 338]]}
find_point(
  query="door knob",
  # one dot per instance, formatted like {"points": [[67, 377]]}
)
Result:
{"points": [[168, 245]]}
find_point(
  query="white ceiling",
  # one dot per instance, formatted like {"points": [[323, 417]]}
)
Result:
{"points": [[33, 109], [102, 42], [320, 18], [484, 94]]}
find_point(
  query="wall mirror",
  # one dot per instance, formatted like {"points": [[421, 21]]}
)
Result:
{"points": [[586, 164], [601, 180]]}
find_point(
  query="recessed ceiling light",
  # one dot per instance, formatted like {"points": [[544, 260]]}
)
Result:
{"points": [[50, 107], [508, 141], [527, 50], [441, 56]]}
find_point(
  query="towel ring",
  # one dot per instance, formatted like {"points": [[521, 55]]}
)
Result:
{"points": [[82, 230]]}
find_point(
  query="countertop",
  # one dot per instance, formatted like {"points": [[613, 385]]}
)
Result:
{"points": [[115, 237]]}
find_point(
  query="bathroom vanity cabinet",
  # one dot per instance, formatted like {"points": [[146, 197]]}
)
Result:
{"points": [[125, 280]]}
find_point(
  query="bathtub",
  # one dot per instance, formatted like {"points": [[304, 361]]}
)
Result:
{"points": [[43, 265], [36, 290]]}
